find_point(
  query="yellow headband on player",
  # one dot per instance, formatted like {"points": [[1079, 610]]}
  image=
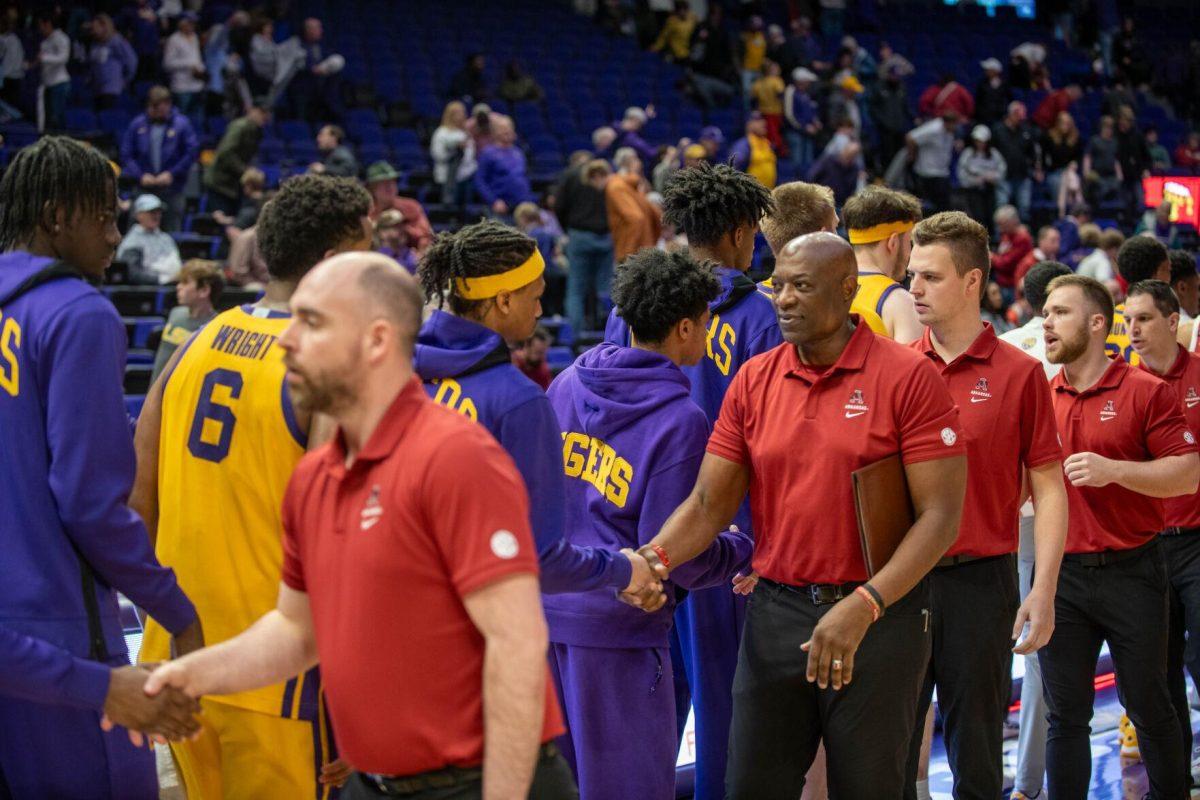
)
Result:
{"points": [[492, 285], [877, 233]]}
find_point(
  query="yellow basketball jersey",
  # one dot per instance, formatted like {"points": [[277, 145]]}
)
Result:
{"points": [[1118, 344], [873, 291], [227, 447]]}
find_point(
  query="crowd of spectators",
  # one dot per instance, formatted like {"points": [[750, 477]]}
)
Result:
{"points": [[838, 115]]}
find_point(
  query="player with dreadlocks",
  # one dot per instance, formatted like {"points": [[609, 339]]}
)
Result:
{"points": [[70, 542], [719, 209], [487, 282]]}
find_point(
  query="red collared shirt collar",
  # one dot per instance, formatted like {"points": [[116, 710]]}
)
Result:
{"points": [[980, 350], [1112, 377], [1178, 367], [852, 358], [387, 435]]}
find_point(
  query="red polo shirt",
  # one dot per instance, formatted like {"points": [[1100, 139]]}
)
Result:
{"points": [[1003, 400], [431, 510], [1129, 415], [1184, 378], [801, 432]]}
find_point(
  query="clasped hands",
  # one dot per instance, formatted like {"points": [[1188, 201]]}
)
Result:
{"points": [[162, 713]]}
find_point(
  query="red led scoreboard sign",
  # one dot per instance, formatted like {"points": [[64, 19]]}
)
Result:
{"points": [[1183, 193]]}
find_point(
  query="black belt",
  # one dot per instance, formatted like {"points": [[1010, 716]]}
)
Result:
{"points": [[449, 777], [954, 561], [1106, 557], [1175, 531], [821, 594]]}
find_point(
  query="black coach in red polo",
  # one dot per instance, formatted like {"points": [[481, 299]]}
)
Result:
{"points": [[1126, 446], [796, 422]]}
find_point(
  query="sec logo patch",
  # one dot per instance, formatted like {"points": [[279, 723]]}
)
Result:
{"points": [[1187, 437], [949, 437], [504, 544]]}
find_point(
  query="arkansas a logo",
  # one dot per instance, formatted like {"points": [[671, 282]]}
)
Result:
{"points": [[981, 394], [1192, 399], [856, 406], [1108, 412], [372, 510]]}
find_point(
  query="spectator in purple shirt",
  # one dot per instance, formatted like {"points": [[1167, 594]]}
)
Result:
{"points": [[158, 150], [111, 61], [629, 133], [501, 179]]}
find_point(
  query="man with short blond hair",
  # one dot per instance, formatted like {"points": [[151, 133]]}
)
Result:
{"points": [[800, 208], [1004, 403], [880, 223]]}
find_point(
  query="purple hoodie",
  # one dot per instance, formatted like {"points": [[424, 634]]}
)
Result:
{"points": [[467, 367], [66, 469], [632, 445]]}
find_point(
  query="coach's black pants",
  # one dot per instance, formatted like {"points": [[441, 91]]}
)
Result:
{"points": [[1182, 551], [779, 718], [1125, 604], [973, 606], [552, 780]]}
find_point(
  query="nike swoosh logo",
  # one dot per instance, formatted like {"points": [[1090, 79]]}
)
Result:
{"points": [[851, 414], [1192, 403], [1106, 419], [369, 523], [980, 399]]}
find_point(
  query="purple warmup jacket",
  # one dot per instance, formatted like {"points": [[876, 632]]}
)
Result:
{"points": [[180, 146], [66, 469], [632, 445], [468, 367], [743, 325], [501, 176]]}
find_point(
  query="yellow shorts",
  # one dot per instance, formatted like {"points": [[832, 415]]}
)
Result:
{"points": [[248, 755]]}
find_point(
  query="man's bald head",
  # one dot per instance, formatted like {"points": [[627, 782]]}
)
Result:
{"points": [[375, 285], [814, 282], [830, 254], [355, 322]]}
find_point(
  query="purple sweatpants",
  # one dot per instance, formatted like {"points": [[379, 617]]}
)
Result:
{"points": [[619, 706]]}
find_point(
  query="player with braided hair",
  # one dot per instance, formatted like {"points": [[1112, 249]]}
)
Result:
{"points": [[720, 210], [487, 283]]}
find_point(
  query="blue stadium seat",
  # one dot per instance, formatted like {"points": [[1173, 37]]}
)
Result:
{"points": [[139, 329], [292, 130], [81, 119]]}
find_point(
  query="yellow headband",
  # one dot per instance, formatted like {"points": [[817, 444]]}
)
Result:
{"points": [[492, 285], [878, 233]]}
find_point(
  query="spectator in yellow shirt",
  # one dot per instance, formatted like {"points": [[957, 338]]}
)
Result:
{"points": [[768, 98], [676, 34], [754, 52]]}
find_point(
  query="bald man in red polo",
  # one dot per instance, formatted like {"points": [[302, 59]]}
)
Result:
{"points": [[1126, 446], [826, 653], [409, 567]]}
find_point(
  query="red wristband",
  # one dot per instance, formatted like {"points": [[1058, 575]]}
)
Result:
{"points": [[662, 555], [870, 601]]}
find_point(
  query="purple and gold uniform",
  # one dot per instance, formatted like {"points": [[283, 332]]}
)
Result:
{"points": [[632, 442], [67, 466]]}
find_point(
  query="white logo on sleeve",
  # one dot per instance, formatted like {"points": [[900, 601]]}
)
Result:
{"points": [[1187, 437], [949, 437], [504, 544]]}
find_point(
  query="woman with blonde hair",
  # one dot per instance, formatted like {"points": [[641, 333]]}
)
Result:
{"points": [[1062, 150], [453, 153]]}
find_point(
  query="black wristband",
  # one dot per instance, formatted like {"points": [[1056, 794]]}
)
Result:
{"points": [[871, 590]]}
